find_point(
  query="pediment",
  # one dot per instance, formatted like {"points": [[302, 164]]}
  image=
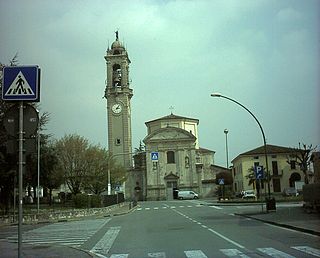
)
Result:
{"points": [[171, 176], [170, 134]]}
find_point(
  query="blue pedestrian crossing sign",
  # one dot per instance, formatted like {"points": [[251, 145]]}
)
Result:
{"points": [[21, 83], [155, 156], [258, 171]]}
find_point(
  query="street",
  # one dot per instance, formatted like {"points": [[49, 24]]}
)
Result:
{"points": [[177, 229]]}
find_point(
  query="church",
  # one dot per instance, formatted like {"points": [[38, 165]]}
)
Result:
{"points": [[172, 158]]}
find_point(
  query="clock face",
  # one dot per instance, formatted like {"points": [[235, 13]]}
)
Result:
{"points": [[116, 108]]}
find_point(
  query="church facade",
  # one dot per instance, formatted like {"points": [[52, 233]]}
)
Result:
{"points": [[174, 160]]}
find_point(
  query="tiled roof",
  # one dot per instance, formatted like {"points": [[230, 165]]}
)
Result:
{"points": [[271, 149]]}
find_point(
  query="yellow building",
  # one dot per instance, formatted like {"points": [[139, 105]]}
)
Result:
{"points": [[283, 169]]}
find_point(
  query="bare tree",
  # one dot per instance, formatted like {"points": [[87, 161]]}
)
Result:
{"points": [[72, 160], [301, 156]]}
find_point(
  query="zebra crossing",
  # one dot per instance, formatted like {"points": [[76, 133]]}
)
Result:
{"points": [[73, 233], [168, 207], [303, 251]]}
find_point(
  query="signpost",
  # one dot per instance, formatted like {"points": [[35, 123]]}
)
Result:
{"points": [[20, 83], [258, 171], [154, 156]]}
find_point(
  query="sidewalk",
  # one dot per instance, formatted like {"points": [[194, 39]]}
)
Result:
{"points": [[10, 250], [288, 217]]}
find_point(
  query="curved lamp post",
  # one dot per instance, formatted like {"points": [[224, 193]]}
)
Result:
{"points": [[227, 154], [263, 135]]}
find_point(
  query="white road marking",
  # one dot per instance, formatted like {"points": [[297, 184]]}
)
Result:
{"points": [[195, 254], [225, 238], [157, 255], [216, 207], [215, 232], [233, 253], [105, 243], [274, 253], [119, 256], [308, 250]]}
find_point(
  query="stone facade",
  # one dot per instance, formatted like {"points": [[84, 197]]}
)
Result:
{"points": [[181, 163], [118, 94]]}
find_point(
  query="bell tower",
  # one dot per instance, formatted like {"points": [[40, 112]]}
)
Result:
{"points": [[118, 94]]}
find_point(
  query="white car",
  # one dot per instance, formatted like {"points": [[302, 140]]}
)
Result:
{"points": [[248, 194], [187, 195]]}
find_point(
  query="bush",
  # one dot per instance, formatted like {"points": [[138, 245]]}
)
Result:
{"points": [[86, 201]]}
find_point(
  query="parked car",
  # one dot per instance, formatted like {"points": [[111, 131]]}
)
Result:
{"points": [[290, 191], [248, 194], [187, 195]]}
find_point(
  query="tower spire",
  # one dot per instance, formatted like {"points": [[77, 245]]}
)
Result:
{"points": [[117, 34]]}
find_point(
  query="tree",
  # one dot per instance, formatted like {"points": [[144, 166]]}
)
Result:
{"points": [[301, 156], [85, 166], [97, 163], [51, 177], [72, 161]]}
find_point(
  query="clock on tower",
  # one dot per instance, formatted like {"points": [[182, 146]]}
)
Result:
{"points": [[118, 94]]}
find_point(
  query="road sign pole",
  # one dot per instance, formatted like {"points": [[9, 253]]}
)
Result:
{"points": [[21, 165]]}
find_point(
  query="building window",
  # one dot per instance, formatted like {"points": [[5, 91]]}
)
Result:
{"points": [[118, 141], [256, 157], [170, 157], [274, 156], [292, 164], [275, 168]]}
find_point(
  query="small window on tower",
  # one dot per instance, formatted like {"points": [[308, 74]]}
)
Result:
{"points": [[118, 141]]}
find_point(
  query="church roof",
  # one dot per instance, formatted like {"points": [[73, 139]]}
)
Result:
{"points": [[170, 134], [203, 150], [173, 117]]}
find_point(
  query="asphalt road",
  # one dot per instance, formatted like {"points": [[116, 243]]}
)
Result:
{"points": [[188, 229], [175, 229]]}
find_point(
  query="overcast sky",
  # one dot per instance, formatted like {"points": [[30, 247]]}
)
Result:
{"points": [[263, 53]]}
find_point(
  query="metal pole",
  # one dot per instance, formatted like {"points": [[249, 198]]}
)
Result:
{"points": [[263, 135], [21, 165], [227, 155], [38, 187]]}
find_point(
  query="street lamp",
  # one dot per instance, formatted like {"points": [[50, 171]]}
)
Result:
{"points": [[263, 135], [226, 133]]}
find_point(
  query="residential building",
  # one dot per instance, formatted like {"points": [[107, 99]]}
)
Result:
{"points": [[283, 169], [315, 160]]}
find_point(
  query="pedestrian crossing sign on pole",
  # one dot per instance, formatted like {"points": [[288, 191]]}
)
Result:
{"points": [[154, 156], [21, 83]]}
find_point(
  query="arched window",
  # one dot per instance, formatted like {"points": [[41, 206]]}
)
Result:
{"points": [[170, 157]]}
